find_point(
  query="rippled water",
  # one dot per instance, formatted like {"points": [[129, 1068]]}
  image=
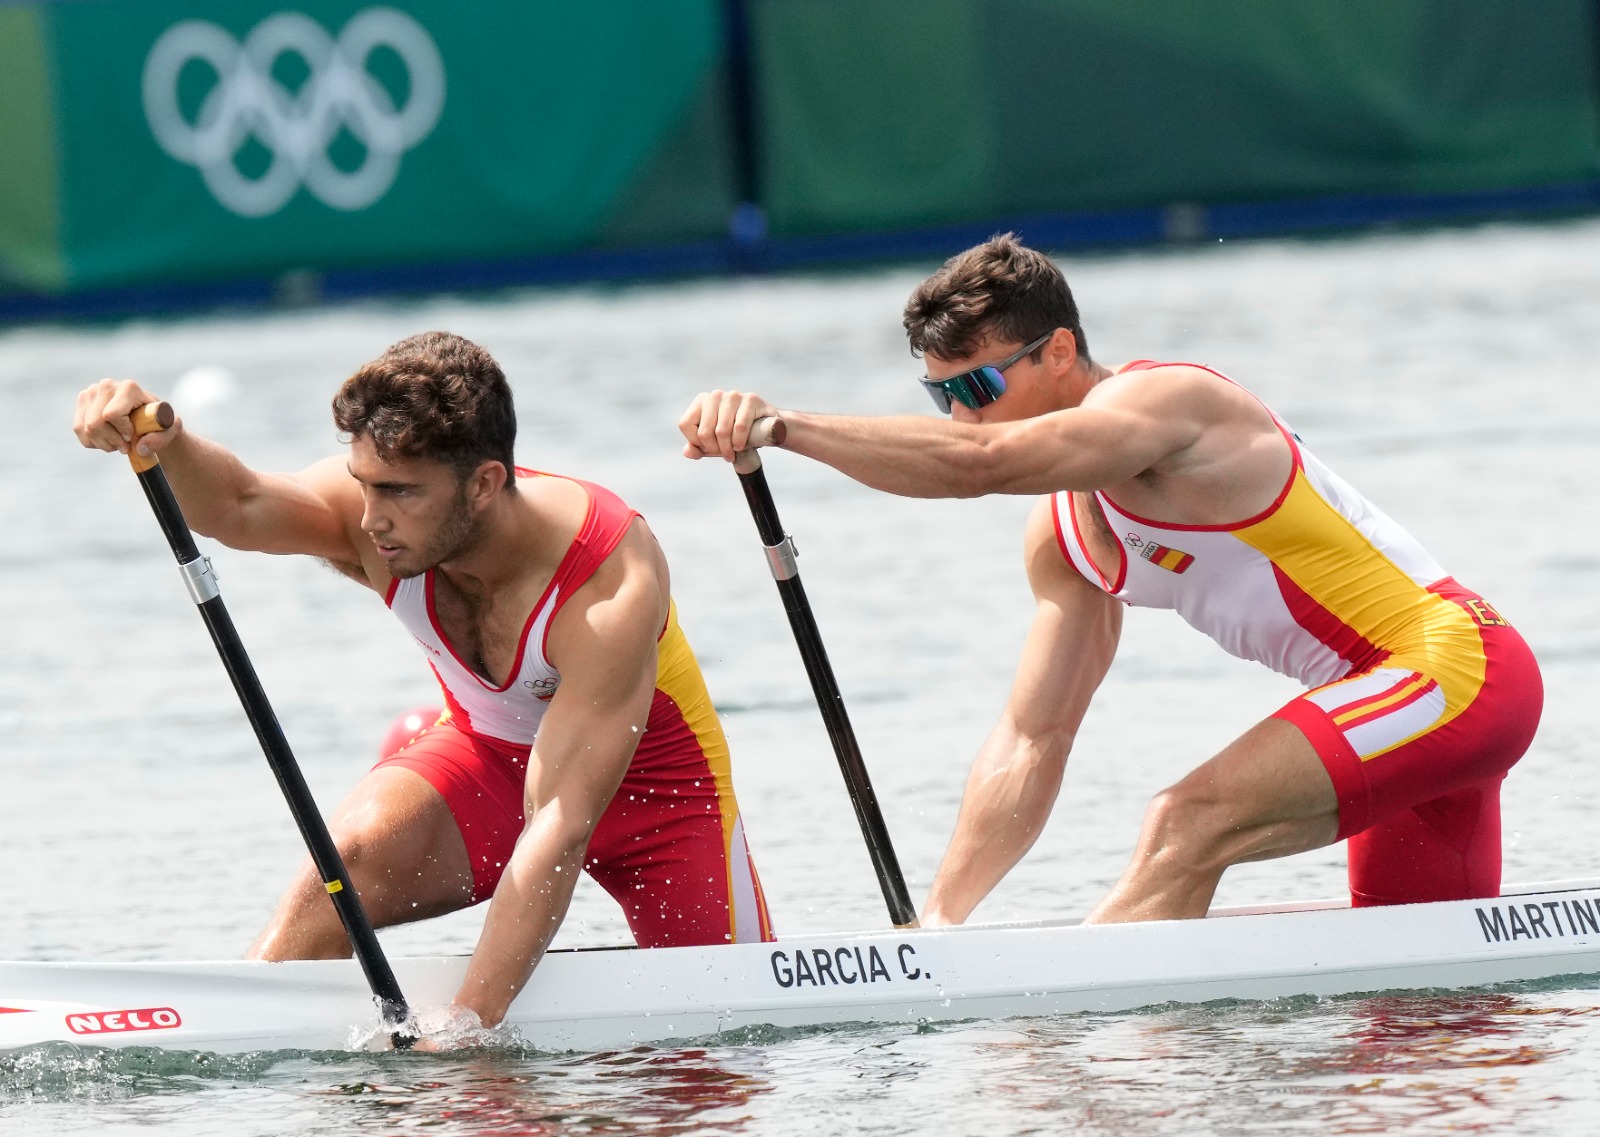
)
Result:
{"points": [[1478, 1063], [1450, 375]]}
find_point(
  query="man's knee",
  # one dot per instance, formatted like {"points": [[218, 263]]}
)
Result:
{"points": [[356, 844], [1176, 832], [388, 882], [1191, 826], [393, 838]]}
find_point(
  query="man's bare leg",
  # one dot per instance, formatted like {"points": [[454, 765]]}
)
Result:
{"points": [[1267, 795], [404, 855]]}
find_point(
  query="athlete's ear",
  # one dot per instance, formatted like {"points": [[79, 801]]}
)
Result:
{"points": [[485, 482], [1060, 350]]}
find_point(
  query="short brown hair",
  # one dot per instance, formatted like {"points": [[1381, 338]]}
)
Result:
{"points": [[434, 395], [999, 290]]}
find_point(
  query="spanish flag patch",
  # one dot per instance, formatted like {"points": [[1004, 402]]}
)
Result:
{"points": [[1173, 560]]}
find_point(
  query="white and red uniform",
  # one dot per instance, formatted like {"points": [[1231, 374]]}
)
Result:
{"points": [[670, 847], [1422, 696]]}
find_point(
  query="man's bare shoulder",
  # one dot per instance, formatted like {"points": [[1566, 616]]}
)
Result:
{"points": [[557, 507], [562, 504], [1045, 561], [329, 480], [1236, 457], [1220, 415], [630, 584], [1039, 534], [553, 491], [618, 613], [1177, 385], [636, 563]]}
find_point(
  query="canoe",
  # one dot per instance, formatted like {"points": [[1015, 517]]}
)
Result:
{"points": [[596, 999]]}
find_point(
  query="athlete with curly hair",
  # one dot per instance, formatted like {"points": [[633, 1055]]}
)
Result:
{"points": [[577, 734]]}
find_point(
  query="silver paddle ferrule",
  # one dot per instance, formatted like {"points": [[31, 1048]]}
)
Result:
{"points": [[781, 559], [200, 580]]}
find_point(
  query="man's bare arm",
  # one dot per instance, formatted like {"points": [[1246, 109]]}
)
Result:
{"points": [[1017, 774], [1129, 424], [316, 512], [604, 643]]}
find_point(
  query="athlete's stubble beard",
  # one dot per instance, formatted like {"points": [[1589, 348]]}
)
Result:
{"points": [[456, 536]]}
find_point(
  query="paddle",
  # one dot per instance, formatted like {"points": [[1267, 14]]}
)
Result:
{"points": [[202, 584], [781, 557]]}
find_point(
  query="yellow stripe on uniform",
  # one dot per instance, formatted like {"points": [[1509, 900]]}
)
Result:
{"points": [[678, 677], [1368, 709], [1422, 631]]}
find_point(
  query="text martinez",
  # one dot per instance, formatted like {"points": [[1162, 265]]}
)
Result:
{"points": [[1543, 919], [842, 966]]}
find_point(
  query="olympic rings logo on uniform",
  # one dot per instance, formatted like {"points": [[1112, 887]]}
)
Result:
{"points": [[296, 127]]}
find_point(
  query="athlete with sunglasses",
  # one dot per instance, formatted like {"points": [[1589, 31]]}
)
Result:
{"points": [[1168, 485]]}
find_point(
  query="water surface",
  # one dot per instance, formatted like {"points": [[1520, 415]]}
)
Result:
{"points": [[1449, 375]]}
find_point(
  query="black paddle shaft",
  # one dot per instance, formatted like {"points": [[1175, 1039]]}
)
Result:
{"points": [[324, 854], [780, 553]]}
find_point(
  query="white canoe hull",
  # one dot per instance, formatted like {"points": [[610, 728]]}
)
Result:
{"points": [[591, 1000]]}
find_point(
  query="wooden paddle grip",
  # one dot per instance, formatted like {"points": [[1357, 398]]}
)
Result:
{"points": [[768, 431], [148, 419]]}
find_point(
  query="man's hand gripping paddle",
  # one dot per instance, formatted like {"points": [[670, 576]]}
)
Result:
{"points": [[781, 557], [202, 584]]}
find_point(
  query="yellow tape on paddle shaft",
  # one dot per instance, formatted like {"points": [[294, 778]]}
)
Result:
{"points": [[334, 886], [147, 420]]}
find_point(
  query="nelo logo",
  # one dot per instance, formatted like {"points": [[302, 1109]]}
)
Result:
{"points": [[296, 127], [114, 1022]]}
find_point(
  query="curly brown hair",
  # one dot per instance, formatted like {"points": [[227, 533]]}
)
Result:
{"points": [[434, 395], [1000, 290]]}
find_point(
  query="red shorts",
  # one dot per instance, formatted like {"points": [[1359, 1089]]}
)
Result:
{"points": [[669, 848], [1417, 747]]}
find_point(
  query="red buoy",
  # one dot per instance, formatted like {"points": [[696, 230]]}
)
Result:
{"points": [[406, 727]]}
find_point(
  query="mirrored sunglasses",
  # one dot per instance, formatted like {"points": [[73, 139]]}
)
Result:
{"points": [[980, 386]]}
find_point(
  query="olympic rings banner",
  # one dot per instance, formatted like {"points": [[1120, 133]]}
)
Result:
{"points": [[179, 140], [297, 127]]}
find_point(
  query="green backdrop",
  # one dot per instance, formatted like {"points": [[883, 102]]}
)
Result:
{"points": [[896, 114], [605, 125]]}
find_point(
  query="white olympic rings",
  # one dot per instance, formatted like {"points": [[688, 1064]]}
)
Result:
{"points": [[296, 127]]}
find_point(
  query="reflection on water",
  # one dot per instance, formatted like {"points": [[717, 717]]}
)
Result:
{"points": [[1456, 1064], [655, 1091], [1400, 1054]]}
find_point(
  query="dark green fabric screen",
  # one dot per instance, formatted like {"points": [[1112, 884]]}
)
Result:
{"points": [[897, 114]]}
